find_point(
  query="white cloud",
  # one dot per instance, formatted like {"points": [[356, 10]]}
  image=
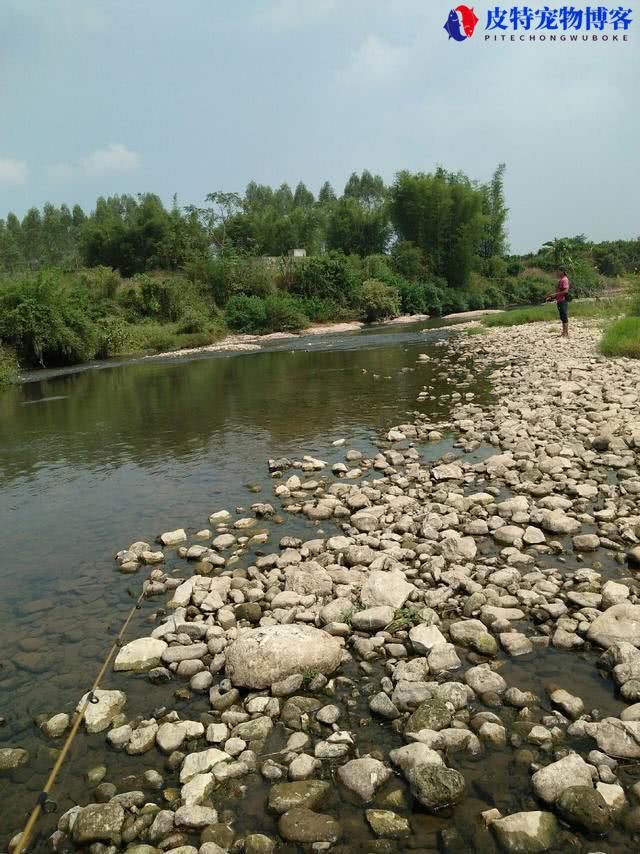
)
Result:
{"points": [[377, 62], [115, 158], [294, 14], [13, 171]]}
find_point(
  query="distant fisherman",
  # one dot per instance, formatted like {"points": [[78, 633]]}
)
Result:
{"points": [[562, 298]]}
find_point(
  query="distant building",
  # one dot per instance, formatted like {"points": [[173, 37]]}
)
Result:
{"points": [[297, 253]]}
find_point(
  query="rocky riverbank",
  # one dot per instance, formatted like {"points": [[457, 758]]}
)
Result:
{"points": [[366, 662]]}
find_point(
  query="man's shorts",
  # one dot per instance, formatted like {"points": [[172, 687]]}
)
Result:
{"points": [[563, 311]]}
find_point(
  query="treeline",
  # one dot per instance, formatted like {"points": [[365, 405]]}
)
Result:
{"points": [[450, 218], [133, 275]]}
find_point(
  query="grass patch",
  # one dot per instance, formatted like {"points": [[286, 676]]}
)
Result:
{"points": [[476, 330], [586, 309], [162, 337], [622, 338]]}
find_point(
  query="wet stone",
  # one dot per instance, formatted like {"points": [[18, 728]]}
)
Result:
{"points": [[584, 808], [387, 824], [302, 825], [304, 793]]}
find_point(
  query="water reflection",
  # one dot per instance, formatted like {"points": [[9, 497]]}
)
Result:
{"points": [[92, 460]]}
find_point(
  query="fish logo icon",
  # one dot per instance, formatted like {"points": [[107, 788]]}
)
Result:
{"points": [[461, 23]]}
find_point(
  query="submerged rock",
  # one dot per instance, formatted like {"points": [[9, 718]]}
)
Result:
{"points": [[99, 823], [387, 824], [303, 793], [526, 832], [585, 808], [12, 757], [302, 825]]}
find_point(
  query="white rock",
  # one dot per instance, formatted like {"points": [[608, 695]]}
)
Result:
{"points": [[140, 655], [201, 763], [551, 781], [99, 715], [386, 588], [173, 538], [260, 657], [424, 638], [618, 623]]}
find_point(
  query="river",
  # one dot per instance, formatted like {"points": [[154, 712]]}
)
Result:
{"points": [[94, 459]]}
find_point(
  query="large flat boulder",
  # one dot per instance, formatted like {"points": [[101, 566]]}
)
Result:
{"points": [[386, 588], [260, 657], [618, 623]]}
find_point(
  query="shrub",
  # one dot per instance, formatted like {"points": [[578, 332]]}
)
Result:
{"points": [[45, 321], [378, 301], [330, 277], [433, 296], [101, 282], [192, 321], [114, 337], [408, 260], [324, 310], [245, 313], [412, 297], [454, 301], [284, 314], [158, 338], [8, 366]]}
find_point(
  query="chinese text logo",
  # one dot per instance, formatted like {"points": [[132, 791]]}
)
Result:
{"points": [[461, 23]]}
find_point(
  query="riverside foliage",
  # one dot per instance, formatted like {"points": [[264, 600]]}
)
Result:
{"points": [[133, 275]]}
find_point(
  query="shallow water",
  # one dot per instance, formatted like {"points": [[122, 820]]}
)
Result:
{"points": [[94, 459]]}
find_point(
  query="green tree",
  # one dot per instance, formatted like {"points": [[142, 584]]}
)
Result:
{"points": [[355, 229], [494, 241]]}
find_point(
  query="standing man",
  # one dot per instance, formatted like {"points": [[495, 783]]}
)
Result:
{"points": [[560, 297]]}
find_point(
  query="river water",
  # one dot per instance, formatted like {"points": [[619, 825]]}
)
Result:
{"points": [[95, 459]]}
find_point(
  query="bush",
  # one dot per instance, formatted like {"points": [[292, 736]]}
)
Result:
{"points": [[330, 277], [408, 260], [324, 310], [101, 282], [114, 337], [433, 297], [454, 301], [191, 322], [45, 321], [284, 314], [246, 313], [158, 338], [378, 301], [8, 367], [412, 298]]}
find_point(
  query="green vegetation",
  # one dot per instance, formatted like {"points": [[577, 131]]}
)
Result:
{"points": [[622, 337], [8, 367], [135, 276]]}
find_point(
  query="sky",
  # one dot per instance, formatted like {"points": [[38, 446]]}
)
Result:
{"points": [[190, 96]]}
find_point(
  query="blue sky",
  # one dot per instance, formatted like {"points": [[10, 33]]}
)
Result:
{"points": [[190, 96]]}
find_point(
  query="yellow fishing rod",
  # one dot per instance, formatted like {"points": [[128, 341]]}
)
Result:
{"points": [[43, 801]]}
